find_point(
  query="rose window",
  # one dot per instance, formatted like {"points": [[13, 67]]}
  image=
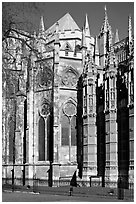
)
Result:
{"points": [[45, 109], [69, 79], [70, 109]]}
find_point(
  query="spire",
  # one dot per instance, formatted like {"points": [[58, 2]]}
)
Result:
{"points": [[105, 18], [117, 36], [86, 26], [105, 25], [41, 27]]}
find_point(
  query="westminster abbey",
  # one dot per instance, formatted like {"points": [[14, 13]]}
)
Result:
{"points": [[68, 104]]}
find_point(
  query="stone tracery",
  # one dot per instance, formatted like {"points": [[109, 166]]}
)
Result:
{"points": [[69, 78]]}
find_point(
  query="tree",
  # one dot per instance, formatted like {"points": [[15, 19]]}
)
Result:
{"points": [[20, 15]]}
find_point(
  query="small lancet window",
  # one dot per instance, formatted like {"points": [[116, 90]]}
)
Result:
{"points": [[73, 131], [67, 49]]}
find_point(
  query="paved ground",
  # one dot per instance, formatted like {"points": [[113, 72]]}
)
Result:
{"points": [[30, 197], [54, 194]]}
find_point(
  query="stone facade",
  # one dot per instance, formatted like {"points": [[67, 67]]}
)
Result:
{"points": [[68, 105]]}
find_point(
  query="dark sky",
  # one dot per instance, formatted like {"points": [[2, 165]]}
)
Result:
{"points": [[52, 11]]}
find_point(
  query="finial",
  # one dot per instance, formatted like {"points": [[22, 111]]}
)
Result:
{"points": [[105, 8]]}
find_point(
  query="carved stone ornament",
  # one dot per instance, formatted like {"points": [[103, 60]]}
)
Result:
{"points": [[45, 76], [70, 109], [69, 78], [45, 109]]}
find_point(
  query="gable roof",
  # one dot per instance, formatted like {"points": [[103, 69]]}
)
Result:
{"points": [[65, 23]]}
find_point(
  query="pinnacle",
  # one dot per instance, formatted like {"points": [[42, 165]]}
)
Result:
{"points": [[105, 25], [41, 27], [117, 36], [87, 29]]}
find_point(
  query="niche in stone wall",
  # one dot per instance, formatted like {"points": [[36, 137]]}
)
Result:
{"points": [[41, 142]]}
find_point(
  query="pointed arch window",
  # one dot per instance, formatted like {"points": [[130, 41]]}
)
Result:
{"points": [[69, 124], [68, 131], [48, 137], [41, 133], [85, 100], [73, 131], [65, 131], [90, 103], [107, 94], [112, 88]]}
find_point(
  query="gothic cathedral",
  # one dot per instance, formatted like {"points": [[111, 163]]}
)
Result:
{"points": [[68, 105]]}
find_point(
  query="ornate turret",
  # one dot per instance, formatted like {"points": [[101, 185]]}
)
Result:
{"points": [[110, 80], [89, 104]]}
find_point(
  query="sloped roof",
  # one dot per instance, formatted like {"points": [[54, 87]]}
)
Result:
{"points": [[65, 23]]}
